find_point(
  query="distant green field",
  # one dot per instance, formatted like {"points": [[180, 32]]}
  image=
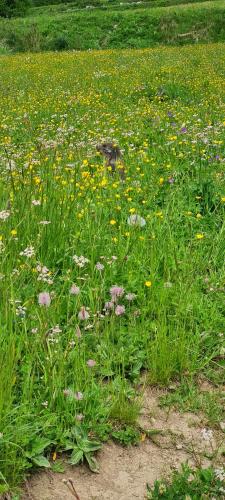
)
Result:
{"points": [[44, 29], [102, 4]]}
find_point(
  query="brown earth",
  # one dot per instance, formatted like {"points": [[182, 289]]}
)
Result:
{"points": [[124, 472]]}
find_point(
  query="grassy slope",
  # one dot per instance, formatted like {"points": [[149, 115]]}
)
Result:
{"points": [[180, 24]]}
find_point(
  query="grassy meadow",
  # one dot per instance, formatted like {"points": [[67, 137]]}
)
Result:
{"points": [[101, 280]]}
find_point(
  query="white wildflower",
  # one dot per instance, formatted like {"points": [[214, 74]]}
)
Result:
{"points": [[136, 220], [28, 252], [4, 214], [80, 261]]}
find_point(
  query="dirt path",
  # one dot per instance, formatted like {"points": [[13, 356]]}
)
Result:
{"points": [[124, 472]]}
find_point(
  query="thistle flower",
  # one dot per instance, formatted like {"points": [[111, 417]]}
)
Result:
{"points": [[67, 392], [91, 363], [120, 310], [79, 396], [75, 290], [78, 332], [56, 329], [109, 305], [83, 314], [116, 291], [44, 299], [76, 395]]}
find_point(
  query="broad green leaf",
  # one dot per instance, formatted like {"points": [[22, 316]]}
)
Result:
{"points": [[88, 446], [38, 446], [69, 445], [92, 462], [76, 456], [77, 433], [41, 461]]}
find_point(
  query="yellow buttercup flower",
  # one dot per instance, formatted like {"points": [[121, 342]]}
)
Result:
{"points": [[14, 232], [199, 236], [148, 283], [112, 222]]}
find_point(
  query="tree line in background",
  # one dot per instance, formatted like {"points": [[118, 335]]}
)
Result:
{"points": [[9, 8]]}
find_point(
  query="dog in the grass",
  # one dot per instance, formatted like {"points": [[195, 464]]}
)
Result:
{"points": [[113, 156]]}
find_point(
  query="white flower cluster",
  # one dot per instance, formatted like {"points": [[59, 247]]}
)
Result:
{"points": [[80, 261], [4, 214], [28, 252]]}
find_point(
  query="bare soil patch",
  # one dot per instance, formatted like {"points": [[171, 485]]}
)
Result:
{"points": [[124, 472]]}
